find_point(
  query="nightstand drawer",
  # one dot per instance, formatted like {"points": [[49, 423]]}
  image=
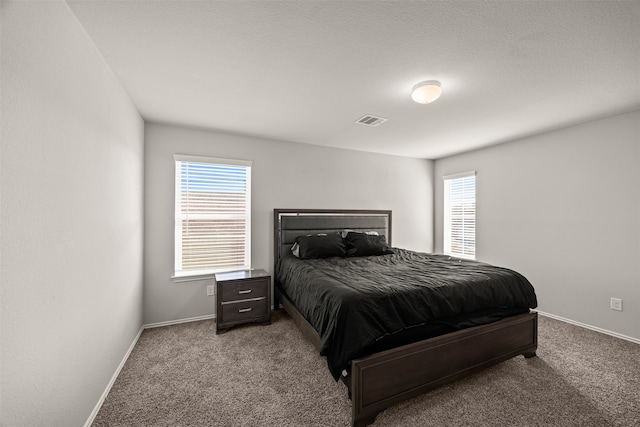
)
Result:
{"points": [[244, 289], [244, 310]]}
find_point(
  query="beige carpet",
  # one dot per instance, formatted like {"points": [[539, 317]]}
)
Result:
{"points": [[186, 375]]}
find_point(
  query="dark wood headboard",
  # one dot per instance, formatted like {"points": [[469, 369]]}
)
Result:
{"points": [[291, 223]]}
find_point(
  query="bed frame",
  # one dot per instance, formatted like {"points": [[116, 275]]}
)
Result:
{"points": [[389, 377]]}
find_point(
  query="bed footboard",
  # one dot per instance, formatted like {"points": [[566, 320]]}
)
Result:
{"points": [[386, 378], [392, 376]]}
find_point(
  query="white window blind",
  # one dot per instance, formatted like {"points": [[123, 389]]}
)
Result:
{"points": [[460, 215], [212, 215]]}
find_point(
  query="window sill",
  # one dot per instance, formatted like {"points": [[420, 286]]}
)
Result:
{"points": [[460, 256], [204, 275], [193, 278]]}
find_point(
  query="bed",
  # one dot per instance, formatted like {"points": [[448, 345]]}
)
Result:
{"points": [[391, 352]]}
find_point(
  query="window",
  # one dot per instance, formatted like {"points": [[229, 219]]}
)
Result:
{"points": [[212, 215], [460, 215]]}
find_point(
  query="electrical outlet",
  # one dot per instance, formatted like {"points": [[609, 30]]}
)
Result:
{"points": [[210, 291], [616, 304]]}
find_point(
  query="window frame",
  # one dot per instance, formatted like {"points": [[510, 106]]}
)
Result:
{"points": [[467, 219], [179, 273]]}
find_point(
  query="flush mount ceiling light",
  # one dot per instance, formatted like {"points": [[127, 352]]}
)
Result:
{"points": [[426, 92]]}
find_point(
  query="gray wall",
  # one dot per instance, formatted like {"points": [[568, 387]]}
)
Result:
{"points": [[284, 175], [71, 219], [563, 208]]}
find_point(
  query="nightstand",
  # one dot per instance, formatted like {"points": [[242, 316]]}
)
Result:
{"points": [[242, 297]]}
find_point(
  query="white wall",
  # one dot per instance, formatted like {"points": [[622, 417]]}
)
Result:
{"points": [[563, 208], [71, 205], [284, 175]]}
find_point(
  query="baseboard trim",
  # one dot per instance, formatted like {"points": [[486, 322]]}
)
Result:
{"points": [[95, 411], [176, 322], [593, 328]]}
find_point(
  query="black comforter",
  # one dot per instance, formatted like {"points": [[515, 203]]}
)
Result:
{"points": [[354, 303]]}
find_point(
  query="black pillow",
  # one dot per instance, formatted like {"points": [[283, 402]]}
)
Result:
{"points": [[321, 246], [361, 244]]}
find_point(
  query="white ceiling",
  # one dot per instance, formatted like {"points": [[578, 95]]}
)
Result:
{"points": [[304, 71]]}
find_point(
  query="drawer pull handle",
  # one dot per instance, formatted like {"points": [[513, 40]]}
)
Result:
{"points": [[244, 310], [246, 291]]}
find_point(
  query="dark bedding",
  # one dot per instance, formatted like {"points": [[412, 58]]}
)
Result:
{"points": [[359, 305]]}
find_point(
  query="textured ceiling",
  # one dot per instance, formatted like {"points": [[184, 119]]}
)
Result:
{"points": [[304, 71]]}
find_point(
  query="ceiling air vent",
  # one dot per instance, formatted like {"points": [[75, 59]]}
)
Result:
{"points": [[372, 121]]}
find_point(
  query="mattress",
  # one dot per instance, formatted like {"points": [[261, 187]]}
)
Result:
{"points": [[361, 305]]}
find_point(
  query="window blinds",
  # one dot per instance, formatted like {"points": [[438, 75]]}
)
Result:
{"points": [[213, 215], [460, 215]]}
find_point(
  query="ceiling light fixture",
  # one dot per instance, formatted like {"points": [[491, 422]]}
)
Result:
{"points": [[426, 92]]}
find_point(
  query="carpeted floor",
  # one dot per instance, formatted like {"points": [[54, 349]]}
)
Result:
{"points": [[186, 375]]}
